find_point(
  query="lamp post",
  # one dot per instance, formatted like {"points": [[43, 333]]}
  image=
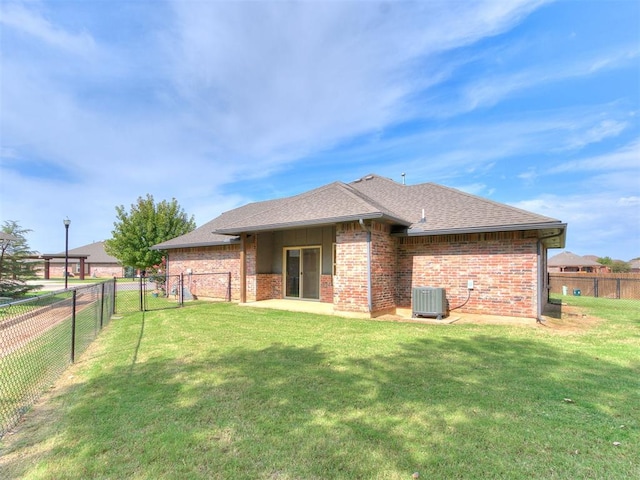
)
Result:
{"points": [[66, 222]]}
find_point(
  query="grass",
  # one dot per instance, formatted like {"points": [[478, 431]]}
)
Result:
{"points": [[221, 391], [37, 350]]}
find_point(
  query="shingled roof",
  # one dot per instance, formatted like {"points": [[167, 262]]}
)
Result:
{"points": [[569, 259], [446, 211], [94, 252]]}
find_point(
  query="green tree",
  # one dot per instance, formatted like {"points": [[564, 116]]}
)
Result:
{"points": [[144, 226], [616, 266], [15, 267]]}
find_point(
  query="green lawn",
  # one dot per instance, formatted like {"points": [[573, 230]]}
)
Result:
{"points": [[229, 392]]}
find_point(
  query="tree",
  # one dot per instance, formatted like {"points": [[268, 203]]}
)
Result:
{"points": [[616, 266], [15, 269], [146, 225]]}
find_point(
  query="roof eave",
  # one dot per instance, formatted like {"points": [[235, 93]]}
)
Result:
{"points": [[553, 235], [232, 241], [321, 222]]}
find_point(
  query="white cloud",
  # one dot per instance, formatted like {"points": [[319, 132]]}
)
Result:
{"points": [[529, 176], [33, 23], [332, 70], [489, 90], [605, 129], [629, 201], [599, 223], [624, 158]]}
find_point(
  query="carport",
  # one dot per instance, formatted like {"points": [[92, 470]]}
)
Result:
{"points": [[47, 258]]}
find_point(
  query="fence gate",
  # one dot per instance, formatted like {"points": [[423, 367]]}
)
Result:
{"points": [[161, 292], [145, 293]]}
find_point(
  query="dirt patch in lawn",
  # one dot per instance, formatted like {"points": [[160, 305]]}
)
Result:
{"points": [[568, 319], [561, 319]]}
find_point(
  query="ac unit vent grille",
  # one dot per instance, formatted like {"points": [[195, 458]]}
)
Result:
{"points": [[429, 302]]}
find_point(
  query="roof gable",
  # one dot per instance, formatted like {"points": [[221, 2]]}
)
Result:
{"points": [[328, 204], [446, 210]]}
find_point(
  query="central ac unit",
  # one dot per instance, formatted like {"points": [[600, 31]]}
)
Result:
{"points": [[429, 302]]}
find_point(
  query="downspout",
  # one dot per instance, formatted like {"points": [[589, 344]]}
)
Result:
{"points": [[541, 274], [368, 230]]}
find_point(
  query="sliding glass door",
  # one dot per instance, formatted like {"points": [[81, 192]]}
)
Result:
{"points": [[302, 273]]}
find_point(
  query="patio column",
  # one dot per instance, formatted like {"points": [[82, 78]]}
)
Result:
{"points": [[243, 268], [47, 265]]}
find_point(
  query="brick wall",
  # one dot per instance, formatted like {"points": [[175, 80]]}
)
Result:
{"points": [[209, 285], [219, 258], [503, 268], [251, 276], [93, 270], [326, 288], [268, 286], [383, 268], [350, 281]]}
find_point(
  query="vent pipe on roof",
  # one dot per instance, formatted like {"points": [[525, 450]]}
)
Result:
{"points": [[403, 175], [423, 219]]}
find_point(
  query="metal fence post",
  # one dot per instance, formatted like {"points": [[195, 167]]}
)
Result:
{"points": [[141, 294], [115, 284], [73, 327], [228, 286], [101, 304], [181, 294]]}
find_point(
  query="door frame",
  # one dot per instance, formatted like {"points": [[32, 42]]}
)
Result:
{"points": [[300, 272]]}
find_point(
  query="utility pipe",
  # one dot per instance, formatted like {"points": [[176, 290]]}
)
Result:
{"points": [[368, 230]]}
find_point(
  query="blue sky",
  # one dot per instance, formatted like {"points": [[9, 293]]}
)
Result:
{"points": [[531, 103]]}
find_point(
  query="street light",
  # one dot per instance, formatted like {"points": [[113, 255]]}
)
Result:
{"points": [[66, 222]]}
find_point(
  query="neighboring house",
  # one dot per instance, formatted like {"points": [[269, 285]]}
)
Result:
{"points": [[635, 266], [88, 261], [565, 262], [365, 245]]}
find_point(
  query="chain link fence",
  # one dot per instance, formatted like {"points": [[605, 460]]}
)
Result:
{"points": [[41, 336], [144, 293], [156, 293]]}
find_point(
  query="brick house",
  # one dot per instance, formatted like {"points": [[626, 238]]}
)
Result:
{"points": [[365, 245], [87, 261], [565, 262]]}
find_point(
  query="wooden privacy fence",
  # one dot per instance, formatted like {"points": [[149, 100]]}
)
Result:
{"points": [[601, 285]]}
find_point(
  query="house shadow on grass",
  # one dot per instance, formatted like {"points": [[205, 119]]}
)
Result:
{"points": [[448, 407]]}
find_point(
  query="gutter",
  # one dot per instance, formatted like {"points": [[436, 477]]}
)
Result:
{"points": [[486, 229], [160, 246], [368, 230]]}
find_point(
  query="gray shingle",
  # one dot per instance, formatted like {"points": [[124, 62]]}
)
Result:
{"points": [[94, 252], [568, 259], [446, 210]]}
